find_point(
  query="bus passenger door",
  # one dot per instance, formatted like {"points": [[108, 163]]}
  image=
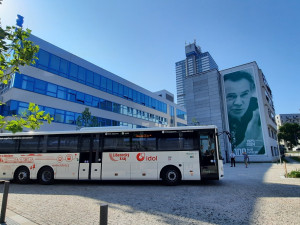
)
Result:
{"points": [[208, 161], [90, 158], [95, 172]]}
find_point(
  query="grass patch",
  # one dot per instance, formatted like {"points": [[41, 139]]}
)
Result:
{"points": [[296, 158], [294, 174]]}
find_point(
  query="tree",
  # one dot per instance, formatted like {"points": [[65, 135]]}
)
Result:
{"points": [[195, 122], [290, 132], [15, 51], [86, 119]]}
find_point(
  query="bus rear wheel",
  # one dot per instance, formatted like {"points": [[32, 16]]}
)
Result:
{"points": [[171, 176], [46, 175], [22, 175]]}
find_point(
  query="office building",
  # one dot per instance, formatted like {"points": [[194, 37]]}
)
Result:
{"points": [[204, 103], [238, 100], [63, 85], [281, 119], [250, 113], [195, 62]]}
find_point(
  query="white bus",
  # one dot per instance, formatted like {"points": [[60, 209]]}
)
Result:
{"points": [[168, 154]]}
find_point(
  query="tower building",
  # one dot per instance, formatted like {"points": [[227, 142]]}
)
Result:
{"points": [[196, 62]]}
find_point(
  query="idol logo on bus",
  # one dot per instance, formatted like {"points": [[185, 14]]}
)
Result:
{"points": [[142, 157]]}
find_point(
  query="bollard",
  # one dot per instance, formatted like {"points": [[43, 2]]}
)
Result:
{"points": [[103, 214], [4, 201], [285, 169]]}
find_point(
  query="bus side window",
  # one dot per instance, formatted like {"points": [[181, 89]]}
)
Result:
{"points": [[84, 146], [31, 144], [8, 145]]}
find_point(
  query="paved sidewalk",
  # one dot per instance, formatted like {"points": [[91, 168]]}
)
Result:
{"points": [[257, 195], [12, 218]]}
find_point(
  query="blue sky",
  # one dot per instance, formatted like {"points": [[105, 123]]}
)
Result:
{"points": [[141, 40]]}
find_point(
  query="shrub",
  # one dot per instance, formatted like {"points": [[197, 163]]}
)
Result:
{"points": [[294, 174]]}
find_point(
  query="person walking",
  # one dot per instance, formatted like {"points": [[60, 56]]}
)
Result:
{"points": [[232, 158], [246, 158]]}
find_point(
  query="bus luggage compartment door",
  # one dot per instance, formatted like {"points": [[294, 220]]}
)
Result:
{"points": [[96, 171], [83, 171]]}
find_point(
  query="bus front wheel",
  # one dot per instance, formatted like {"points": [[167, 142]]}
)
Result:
{"points": [[22, 175], [171, 176], [46, 175]]}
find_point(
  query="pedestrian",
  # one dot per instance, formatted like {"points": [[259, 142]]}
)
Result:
{"points": [[232, 158], [246, 158]]}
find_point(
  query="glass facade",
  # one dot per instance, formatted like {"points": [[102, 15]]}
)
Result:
{"points": [[67, 69], [45, 88], [14, 107], [181, 114]]}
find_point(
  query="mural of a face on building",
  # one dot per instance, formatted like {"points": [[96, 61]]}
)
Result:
{"points": [[243, 113]]}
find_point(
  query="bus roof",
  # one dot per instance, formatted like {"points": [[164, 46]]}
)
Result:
{"points": [[109, 129]]}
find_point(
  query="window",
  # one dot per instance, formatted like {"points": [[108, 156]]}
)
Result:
{"points": [[95, 102], [134, 97], [103, 83], [88, 100], [54, 63], [108, 105], [59, 116], [52, 143], [13, 107], [121, 90], [143, 141], [80, 97], [51, 90], [43, 59], [70, 117], [130, 93], [64, 68], [61, 92], [117, 143], [97, 80], [89, 78], [115, 88], [68, 143], [102, 104], [27, 83], [116, 108], [169, 141], [8, 145], [81, 75], [125, 94], [109, 85], [51, 111], [73, 71], [85, 143], [71, 95], [40, 86], [31, 144], [22, 108]]}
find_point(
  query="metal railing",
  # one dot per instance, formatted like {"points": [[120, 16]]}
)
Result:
{"points": [[4, 200]]}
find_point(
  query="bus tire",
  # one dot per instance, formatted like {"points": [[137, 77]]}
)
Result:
{"points": [[171, 175], [22, 175], [46, 175]]}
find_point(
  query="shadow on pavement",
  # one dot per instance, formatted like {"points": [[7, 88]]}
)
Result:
{"points": [[229, 201]]}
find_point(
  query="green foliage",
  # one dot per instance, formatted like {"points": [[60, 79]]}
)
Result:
{"points": [[294, 174], [86, 119], [195, 122], [32, 119], [290, 132], [15, 51]]}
